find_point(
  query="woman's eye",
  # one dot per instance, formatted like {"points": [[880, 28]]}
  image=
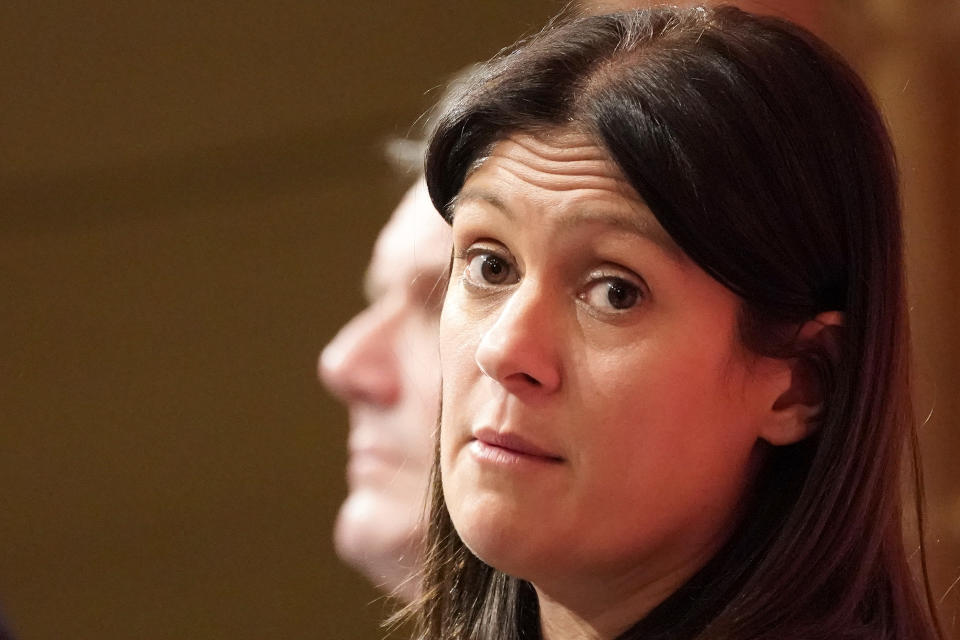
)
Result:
{"points": [[611, 293], [489, 268]]}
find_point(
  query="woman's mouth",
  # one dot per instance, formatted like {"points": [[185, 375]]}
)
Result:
{"points": [[490, 445]]}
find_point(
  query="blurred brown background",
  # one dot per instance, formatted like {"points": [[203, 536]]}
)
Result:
{"points": [[188, 195]]}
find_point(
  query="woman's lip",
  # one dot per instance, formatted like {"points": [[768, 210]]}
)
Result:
{"points": [[513, 443]]}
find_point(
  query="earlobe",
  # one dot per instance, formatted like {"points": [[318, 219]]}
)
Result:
{"points": [[795, 413], [792, 424]]}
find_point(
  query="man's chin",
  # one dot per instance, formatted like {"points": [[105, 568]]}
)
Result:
{"points": [[375, 537]]}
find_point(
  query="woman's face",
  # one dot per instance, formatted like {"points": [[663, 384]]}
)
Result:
{"points": [[599, 416]]}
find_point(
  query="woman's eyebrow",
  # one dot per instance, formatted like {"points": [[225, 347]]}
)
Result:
{"points": [[636, 223], [478, 195], [639, 223]]}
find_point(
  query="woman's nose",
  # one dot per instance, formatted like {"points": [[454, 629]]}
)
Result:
{"points": [[359, 364], [519, 350]]}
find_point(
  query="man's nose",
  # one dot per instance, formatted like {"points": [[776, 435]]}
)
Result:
{"points": [[519, 350], [359, 364]]}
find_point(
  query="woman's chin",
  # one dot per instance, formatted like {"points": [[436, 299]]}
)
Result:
{"points": [[516, 553]]}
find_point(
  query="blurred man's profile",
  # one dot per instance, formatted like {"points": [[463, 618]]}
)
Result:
{"points": [[383, 365]]}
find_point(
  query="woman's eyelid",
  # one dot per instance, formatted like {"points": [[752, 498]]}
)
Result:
{"points": [[483, 250], [487, 246], [617, 272], [471, 244], [595, 294]]}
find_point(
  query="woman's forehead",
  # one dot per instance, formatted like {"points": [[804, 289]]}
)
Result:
{"points": [[559, 144], [566, 176], [558, 160]]}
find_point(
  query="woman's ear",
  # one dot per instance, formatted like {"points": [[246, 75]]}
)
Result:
{"points": [[795, 413]]}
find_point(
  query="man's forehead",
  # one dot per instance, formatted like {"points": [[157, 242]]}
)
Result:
{"points": [[415, 230], [414, 240]]}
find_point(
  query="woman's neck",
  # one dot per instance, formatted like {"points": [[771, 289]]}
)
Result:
{"points": [[602, 609]]}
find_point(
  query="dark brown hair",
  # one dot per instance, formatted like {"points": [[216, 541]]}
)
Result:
{"points": [[762, 154]]}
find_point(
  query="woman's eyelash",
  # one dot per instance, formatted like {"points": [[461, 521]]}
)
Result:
{"points": [[608, 290], [612, 293], [468, 253], [487, 269]]}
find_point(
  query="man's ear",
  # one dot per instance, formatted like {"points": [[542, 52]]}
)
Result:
{"points": [[795, 413]]}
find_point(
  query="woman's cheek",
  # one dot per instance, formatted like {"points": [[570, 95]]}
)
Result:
{"points": [[459, 372], [459, 337]]}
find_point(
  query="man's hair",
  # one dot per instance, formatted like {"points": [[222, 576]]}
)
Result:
{"points": [[406, 154]]}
